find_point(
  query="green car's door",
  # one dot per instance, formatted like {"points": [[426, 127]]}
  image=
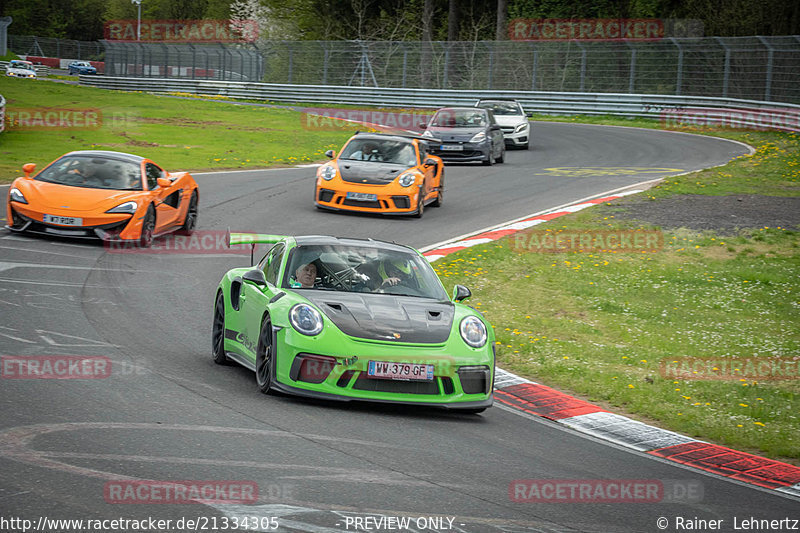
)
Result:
{"points": [[255, 298]]}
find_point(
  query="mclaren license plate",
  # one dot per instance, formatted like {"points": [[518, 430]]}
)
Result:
{"points": [[62, 221], [452, 148], [362, 196], [406, 371]]}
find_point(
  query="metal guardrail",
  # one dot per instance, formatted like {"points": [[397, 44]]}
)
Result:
{"points": [[2, 113], [41, 70], [697, 110]]}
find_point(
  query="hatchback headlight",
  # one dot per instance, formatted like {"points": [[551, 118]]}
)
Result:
{"points": [[305, 319], [127, 208], [473, 331], [327, 172], [521, 127], [17, 196], [427, 133], [407, 178], [478, 138]]}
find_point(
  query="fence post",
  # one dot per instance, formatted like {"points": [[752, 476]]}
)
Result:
{"points": [[405, 65], [770, 57], [491, 64], [446, 64], [4, 23], [291, 60], [726, 72], [679, 73], [535, 66], [325, 53], [632, 78], [583, 65]]}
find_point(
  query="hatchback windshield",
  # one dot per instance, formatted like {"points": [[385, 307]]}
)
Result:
{"points": [[459, 118], [381, 150], [362, 269], [94, 172], [22, 65]]}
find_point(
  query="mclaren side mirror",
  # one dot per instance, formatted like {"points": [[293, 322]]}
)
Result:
{"points": [[28, 169], [460, 292], [256, 277], [164, 182]]}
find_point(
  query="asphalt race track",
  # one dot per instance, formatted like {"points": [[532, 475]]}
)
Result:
{"points": [[167, 412]]}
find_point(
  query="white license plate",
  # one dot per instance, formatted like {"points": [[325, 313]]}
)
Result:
{"points": [[62, 221], [452, 147], [362, 196], [407, 371]]}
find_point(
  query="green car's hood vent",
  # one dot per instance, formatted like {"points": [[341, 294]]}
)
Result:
{"points": [[386, 317]]}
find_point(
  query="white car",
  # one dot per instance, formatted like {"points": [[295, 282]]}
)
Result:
{"points": [[512, 119], [20, 69]]}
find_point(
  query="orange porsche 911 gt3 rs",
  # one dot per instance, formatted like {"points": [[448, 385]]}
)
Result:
{"points": [[96, 194], [381, 173]]}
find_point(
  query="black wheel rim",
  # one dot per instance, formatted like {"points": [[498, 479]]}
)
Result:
{"points": [[218, 329], [147, 231], [191, 214], [264, 355]]}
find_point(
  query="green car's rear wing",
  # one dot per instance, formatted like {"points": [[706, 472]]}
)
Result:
{"points": [[252, 239]]}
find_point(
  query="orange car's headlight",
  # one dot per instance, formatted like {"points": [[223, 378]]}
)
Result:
{"points": [[407, 179], [327, 172], [126, 208], [16, 196]]}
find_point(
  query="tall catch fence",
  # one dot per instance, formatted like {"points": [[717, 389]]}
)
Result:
{"points": [[28, 45]]}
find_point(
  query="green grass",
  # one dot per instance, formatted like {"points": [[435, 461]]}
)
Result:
{"points": [[179, 134], [9, 56], [599, 324]]}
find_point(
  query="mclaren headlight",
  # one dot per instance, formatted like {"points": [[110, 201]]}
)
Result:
{"points": [[127, 208], [17, 196], [473, 331], [521, 127], [478, 137], [305, 319], [327, 172], [407, 179]]}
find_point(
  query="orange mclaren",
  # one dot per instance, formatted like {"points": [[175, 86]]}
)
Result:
{"points": [[381, 173], [110, 196]]}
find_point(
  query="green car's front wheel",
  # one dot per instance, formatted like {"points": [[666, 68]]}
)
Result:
{"points": [[218, 331], [264, 354]]}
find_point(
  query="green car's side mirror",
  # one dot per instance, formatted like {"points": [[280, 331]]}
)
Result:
{"points": [[460, 292], [255, 277]]}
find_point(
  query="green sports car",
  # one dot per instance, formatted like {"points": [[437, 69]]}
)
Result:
{"points": [[352, 319]]}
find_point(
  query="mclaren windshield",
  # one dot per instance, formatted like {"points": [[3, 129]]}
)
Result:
{"points": [[94, 172], [362, 269]]}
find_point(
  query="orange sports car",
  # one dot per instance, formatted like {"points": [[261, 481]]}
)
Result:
{"points": [[381, 173], [110, 196]]}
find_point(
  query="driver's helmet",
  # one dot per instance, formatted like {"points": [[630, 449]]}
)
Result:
{"points": [[395, 268]]}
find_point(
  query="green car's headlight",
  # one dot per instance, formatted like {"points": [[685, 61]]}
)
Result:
{"points": [[407, 178], [16, 196], [327, 172], [127, 208], [473, 331], [305, 319]]}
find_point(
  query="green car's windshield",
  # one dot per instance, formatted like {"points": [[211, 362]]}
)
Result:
{"points": [[362, 269], [94, 172], [380, 151]]}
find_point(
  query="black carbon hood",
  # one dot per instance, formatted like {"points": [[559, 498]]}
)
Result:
{"points": [[386, 317], [369, 171]]}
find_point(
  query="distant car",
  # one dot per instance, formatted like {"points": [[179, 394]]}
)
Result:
{"points": [[347, 319], [97, 194], [381, 173], [511, 118], [20, 69], [81, 67], [466, 134]]}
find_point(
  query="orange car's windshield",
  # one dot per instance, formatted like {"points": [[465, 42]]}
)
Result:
{"points": [[381, 151], [94, 172]]}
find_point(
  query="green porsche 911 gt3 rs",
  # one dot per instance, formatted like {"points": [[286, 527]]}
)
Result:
{"points": [[353, 319]]}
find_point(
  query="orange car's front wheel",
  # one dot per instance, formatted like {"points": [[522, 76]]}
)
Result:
{"points": [[148, 227]]}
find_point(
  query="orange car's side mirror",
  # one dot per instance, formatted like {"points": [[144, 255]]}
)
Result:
{"points": [[164, 182], [28, 169], [430, 162]]}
